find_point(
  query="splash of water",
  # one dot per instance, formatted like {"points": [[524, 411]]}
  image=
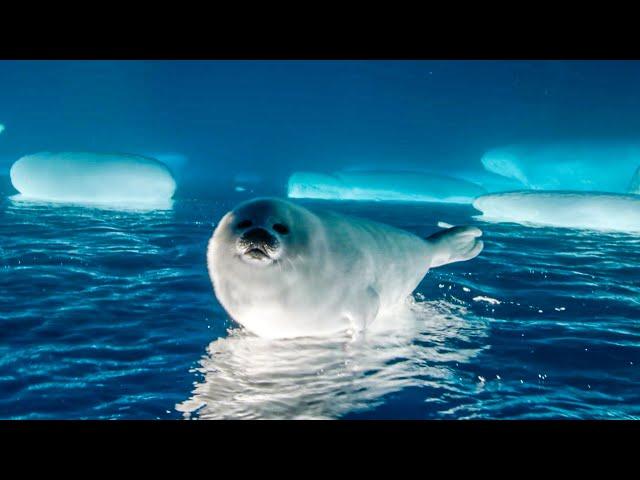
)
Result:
{"points": [[253, 378]]}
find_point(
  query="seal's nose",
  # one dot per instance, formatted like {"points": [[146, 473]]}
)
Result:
{"points": [[258, 243], [258, 236]]}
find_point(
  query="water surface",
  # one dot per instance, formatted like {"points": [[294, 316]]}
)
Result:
{"points": [[109, 314]]}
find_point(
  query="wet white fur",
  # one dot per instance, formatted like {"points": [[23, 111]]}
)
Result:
{"points": [[334, 272]]}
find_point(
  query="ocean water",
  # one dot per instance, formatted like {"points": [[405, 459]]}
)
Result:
{"points": [[108, 314]]}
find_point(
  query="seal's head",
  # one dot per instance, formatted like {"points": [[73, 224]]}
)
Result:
{"points": [[259, 244], [262, 233], [264, 258]]}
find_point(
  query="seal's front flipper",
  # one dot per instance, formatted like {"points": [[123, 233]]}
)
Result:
{"points": [[365, 310], [455, 244]]}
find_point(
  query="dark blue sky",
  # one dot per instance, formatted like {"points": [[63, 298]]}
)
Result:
{"points": [[280, 116]]}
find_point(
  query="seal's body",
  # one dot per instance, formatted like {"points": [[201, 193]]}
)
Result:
{"points": [[281, 270]]}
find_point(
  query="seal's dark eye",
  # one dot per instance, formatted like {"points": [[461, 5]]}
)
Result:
{"points": [[245, 224], [280, 228]]}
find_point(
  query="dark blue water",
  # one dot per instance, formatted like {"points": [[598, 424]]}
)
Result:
{"points": [[110, 314]]}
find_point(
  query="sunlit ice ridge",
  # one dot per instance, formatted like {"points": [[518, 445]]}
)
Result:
{"points": [[382, 186], [565, 209], [110, 179], [606, 166]]}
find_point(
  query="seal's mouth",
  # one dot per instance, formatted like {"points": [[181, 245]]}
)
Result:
{"points": [[257, 253], [258, 246]]}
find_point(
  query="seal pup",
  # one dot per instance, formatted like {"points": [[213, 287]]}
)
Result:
{"points": [[282, 270]]}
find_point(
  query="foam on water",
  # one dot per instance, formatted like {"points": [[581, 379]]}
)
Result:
{"points": [[92, 178], [382, 186], [590, 210]]}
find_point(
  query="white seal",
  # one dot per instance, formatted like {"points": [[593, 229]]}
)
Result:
{"points": [[281, 270]]}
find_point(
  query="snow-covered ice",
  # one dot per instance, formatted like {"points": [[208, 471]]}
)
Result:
{"points": [[583, 166], [176, 162], [589, 210], [634, 184], [492, 182], [92, 178], [383, 186]]}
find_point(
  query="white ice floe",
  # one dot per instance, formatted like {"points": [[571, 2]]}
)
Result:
{"points": [[78, 177], [383, 186], [492, 182], [588, 210], [176, 162], [634, 185], [583, 166]]}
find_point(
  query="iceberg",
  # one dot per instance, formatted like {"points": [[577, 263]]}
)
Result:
{"points": [[175, 161], [78, 177], [587, 210], [383, 186], [634, 185], [1, 128], [492, 182], [582, 166]]}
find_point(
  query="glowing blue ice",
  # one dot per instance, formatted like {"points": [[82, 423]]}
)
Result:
{"points": [[175, 161], [584, 166], [492, 182], [589, 210], [383, 186], [92, 178], [634, 185], [1, 128]]}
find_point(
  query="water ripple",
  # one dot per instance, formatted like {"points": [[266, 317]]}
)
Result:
{"points": [[110, 314]]}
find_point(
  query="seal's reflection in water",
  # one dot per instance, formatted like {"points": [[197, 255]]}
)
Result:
{"points": [[247, 377]]}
